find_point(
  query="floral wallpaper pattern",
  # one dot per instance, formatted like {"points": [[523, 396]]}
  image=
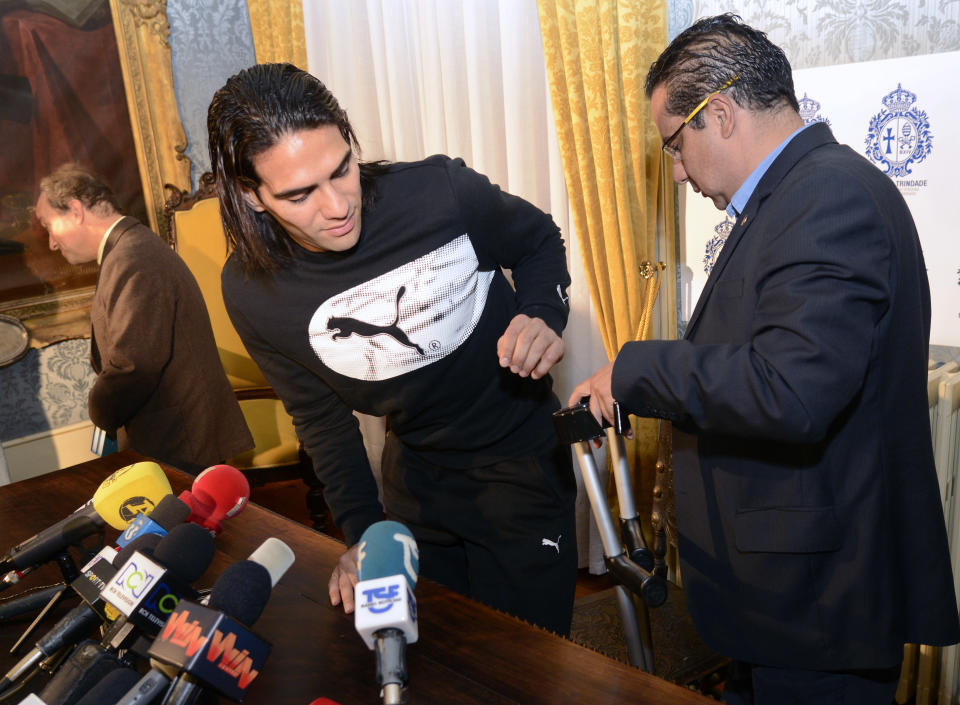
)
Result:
{"points": [[46, 389], [210, 40], [827, 32]]}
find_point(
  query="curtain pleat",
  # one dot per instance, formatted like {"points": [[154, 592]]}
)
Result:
{"points": [[597, 55], [277, 27]]}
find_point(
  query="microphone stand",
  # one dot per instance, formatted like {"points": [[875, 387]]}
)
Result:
{"points": [[635, 571]]}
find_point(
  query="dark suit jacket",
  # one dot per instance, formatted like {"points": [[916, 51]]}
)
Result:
{"points": [[159, 377], [811, 529]]}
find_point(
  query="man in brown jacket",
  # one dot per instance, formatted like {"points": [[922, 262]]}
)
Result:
{"points": [[160, 386]]}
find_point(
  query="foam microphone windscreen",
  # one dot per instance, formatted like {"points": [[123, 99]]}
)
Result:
{"points": [[187, 550], [388, 548], [111, 688], [242, 591], [224, 488], [170, 512], [146, 544], [129, 491], [274, 555]]}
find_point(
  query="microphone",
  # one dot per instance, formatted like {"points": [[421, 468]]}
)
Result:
{"points": [[386, 611], [101, 684], [242, 591], [116, 502], [219, 492], [82, 618], [145, 589], [210, 645], [169, 512], [113, 686]]}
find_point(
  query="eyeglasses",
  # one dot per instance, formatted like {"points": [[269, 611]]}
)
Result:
{"points": [[668, 147]]}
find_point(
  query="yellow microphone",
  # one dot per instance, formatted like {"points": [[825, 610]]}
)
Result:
{"points": [[128, 491], [135, 489]]}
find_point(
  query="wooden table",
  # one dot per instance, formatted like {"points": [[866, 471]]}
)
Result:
{"points": [[467, 653]]}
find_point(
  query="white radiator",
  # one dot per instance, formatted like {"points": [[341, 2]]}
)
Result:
{"points": [[920, 672], [947, 454]]}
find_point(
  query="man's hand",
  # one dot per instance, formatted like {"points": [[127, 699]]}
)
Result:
{"points": [[599, 388], [529, 347], [344, 579]]}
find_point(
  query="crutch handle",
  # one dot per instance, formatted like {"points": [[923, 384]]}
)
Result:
{"points": [[651, 588]]}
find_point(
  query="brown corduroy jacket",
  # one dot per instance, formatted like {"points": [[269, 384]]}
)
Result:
{"points": [[160, 383]]}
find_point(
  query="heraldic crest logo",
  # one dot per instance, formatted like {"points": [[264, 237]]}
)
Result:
{"points": [[899, 135], [810, 111], [716, 243]]}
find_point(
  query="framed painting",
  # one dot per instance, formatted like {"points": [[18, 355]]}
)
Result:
{"points": [[73, 87]]}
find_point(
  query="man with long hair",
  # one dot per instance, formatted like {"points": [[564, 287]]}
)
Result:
{"points": [[379, 288]]}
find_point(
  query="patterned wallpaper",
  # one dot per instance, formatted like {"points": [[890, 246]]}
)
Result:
{"points": [[46, 389], [210, 40], [827, 32]]}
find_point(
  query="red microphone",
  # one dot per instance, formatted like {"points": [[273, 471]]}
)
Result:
{"points": [[324, 701], [219, 492]]}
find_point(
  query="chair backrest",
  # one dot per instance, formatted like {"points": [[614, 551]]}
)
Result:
{"points": [[198, 238]]}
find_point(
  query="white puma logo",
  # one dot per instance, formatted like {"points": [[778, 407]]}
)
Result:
{"points": [[555, 544], [563, 297]]}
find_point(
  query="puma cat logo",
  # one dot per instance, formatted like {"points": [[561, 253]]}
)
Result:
{"points": [[345, 327], [555, 544]]}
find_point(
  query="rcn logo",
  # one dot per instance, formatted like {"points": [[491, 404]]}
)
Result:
{"points": [[134, 579], [162, 601], [377, 596]]}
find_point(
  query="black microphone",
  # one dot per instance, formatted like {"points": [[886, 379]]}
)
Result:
{"points": [[211, 645], [242, 591], [181, 557], [168, 513], [111, 688], [95, 686], [81, 619], [148, 582]]}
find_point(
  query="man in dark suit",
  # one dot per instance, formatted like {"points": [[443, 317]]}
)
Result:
{"points": [[812, 540], [160, 386]]}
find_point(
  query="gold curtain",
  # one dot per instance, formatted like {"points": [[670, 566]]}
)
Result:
{"points": [[597, 56], [278, 34]]}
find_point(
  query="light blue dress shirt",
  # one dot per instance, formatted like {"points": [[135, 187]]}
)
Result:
{"points": [[740, 198]]}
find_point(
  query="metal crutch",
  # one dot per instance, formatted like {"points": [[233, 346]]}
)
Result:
{"points": [[631, 567]]}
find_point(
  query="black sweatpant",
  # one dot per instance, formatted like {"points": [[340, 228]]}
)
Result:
{"points": [[502, 534]]}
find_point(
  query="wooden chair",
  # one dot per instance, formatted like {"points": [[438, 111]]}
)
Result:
{"points": [[197, 235]]}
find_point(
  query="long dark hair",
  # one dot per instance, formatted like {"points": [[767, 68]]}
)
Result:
{"points": [[712, 51], [252, 111]]}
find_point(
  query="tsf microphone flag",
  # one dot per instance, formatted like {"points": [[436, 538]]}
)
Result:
{"points": [[387, 565]]}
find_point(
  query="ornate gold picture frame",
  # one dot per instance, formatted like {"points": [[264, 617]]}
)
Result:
{"points": [[142, 33]]}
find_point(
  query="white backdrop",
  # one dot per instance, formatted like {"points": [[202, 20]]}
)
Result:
{"points": [[849, 97]]}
